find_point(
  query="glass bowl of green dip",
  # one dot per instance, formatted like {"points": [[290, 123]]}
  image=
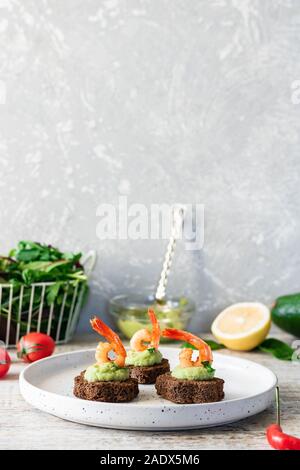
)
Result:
{"points": [[130, 313]]}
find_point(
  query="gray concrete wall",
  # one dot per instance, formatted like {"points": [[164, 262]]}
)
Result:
{"points": [[167, 101]]}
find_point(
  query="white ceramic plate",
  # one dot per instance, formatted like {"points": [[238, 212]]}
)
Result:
{"points": [[47, 385]]}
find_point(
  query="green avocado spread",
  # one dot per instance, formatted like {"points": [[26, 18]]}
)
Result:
{"points": [[193, 373], [106, 372], [149, 357]]}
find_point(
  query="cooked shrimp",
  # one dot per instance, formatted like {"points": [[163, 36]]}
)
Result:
{"points": [[143, 339], [140, 339], [102, 352], [114, 344], [185, 356]]}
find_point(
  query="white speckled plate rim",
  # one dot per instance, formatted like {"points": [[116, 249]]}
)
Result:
{"points": [[148, 411]]}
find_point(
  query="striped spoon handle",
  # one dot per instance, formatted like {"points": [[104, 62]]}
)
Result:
{"points": [[177, 223]]}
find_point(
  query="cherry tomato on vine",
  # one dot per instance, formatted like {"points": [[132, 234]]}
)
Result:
{"points": [[4, 361], [35, 346]]}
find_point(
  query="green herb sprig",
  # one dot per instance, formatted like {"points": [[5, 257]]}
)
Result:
{"points": [[208, 367], [151, 350]]}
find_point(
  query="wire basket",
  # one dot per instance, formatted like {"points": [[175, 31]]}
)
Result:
{"points": [[57, 319]]}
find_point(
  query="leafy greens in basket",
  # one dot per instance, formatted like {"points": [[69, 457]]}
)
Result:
{"points": [[31, 263]]}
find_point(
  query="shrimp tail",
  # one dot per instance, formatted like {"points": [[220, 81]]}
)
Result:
{"points": [[194, 340], [155, 329], [100, 327], [104, 330]]}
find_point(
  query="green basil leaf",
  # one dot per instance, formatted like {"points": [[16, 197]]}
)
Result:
{"points": [[214, 346], [52, 293], [208, 366], [277, 348], [27, 255]]}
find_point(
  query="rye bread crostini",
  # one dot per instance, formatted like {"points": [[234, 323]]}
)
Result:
{"points": [[144, 360], [109, 379], [193, 380]]}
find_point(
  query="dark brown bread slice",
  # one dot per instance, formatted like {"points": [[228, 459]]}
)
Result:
{"points": [[149, 374], [189, 391], [111, 391]]}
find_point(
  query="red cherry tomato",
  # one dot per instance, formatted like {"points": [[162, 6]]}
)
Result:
{"points": [[35, 346], [4, 362]]}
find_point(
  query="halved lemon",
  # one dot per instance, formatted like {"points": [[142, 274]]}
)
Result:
{"points": [[242, 326]]}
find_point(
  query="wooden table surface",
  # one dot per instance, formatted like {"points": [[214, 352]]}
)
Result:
{"points": [[23, 427]]}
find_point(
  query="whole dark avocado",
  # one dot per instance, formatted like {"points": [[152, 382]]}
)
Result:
{"points": [[286, 313]]}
